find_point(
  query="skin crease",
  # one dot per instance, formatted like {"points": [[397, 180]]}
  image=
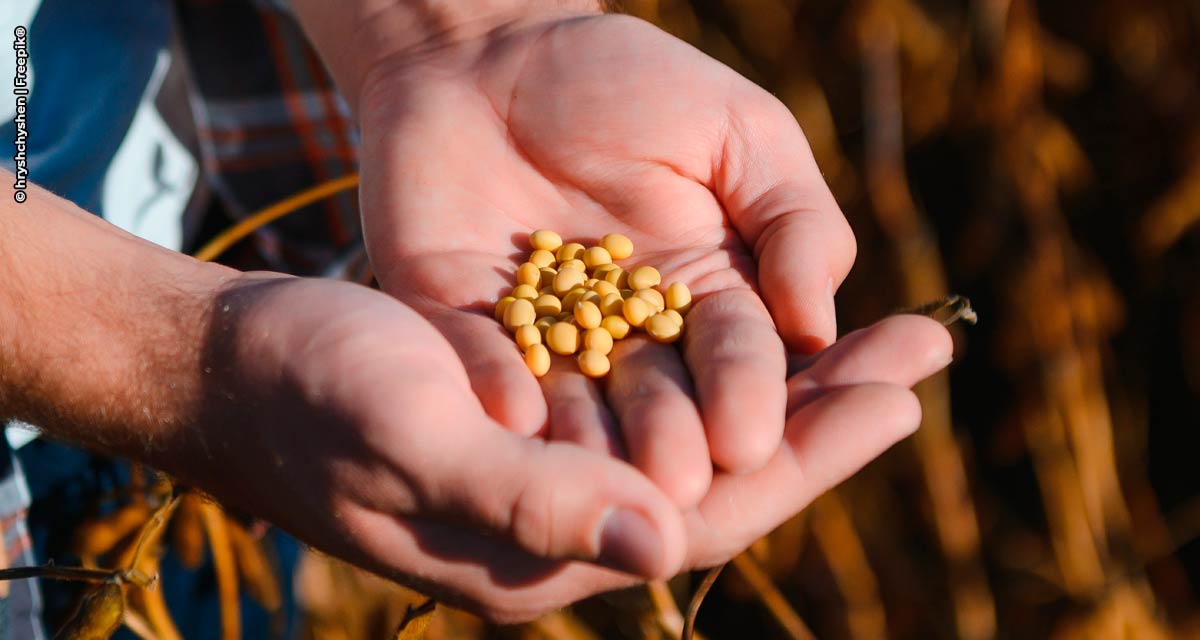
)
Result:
{"points": [[552, 124]]}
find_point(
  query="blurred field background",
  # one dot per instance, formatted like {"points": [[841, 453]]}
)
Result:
{"points": [[1042, 159]]}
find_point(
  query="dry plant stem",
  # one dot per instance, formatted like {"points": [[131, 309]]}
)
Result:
{"points": [[706, 583], [61, 573], [923, 278], [263, 217], [223, 565], [666, 611], [771, 597], [836, 536], [416, 621]]}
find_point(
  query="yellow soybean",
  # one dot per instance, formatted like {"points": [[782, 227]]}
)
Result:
{"points": [[612, 304], [575, 264], [635, 311], [617, 245], [501, 306], [587, 314], [679, 297], [547, 305], [596, 256], [530, 274], [547, 277], [543, 324], [663, 328], [519, 313], [573, 296], [537, 358], [590, 296], [674, 315], [602, 270], [644, 277], [605, 288], [616, 326], [653, 297], [542, 258], [618, 277], [525, 292], [598, 339], [593, 364], [569, 251], [563, 338], [527, 336], [545, 239], [567, 279]]}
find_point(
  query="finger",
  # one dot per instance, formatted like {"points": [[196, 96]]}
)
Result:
{"points": [[578, 413], [553, 499], [738, 363], [777, 199], [649, 390], [827, 440], [902, 349], [499, 377], [486, 575]]}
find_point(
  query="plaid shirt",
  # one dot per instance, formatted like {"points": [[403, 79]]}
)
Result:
{"points": [[265, 122]]}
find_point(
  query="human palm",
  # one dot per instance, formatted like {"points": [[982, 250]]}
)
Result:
{"points": [[589, 125]]}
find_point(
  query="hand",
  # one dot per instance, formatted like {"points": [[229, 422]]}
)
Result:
{"points": [[846, 405], [591, 124], [339, 414]]}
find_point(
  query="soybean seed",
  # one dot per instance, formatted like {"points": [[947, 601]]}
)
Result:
{"points": [[525, 292], [501, 306], [653, 297], [598, 339], [663, 328], [519, 312], [617, 245], [612, 304], [635, 311], [593, 364], [575, 264], [542, 258], [569, 251], [530, 274], [674, 315], [644, 277], [527, 336], [567, 279], [547, 305], [587, 314], [563, 338], [545, 239], [596, 256], [616, 326], [679, 297], [537, 358]]}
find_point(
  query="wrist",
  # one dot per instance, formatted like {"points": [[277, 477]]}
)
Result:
{"points": [[358, 38], [101, 338]]}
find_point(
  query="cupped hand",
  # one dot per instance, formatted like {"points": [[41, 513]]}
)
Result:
{"points": [[341, 415], [587, 125], [846, 405]]}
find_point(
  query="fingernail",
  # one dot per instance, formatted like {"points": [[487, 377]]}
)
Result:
{"points": [[630, 543]]}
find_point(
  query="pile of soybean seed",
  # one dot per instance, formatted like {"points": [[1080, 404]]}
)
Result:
{"points": [[572, 299]]}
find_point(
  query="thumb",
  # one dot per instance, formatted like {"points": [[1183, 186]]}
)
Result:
{"points": [[778, 201], [552, 499]]}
